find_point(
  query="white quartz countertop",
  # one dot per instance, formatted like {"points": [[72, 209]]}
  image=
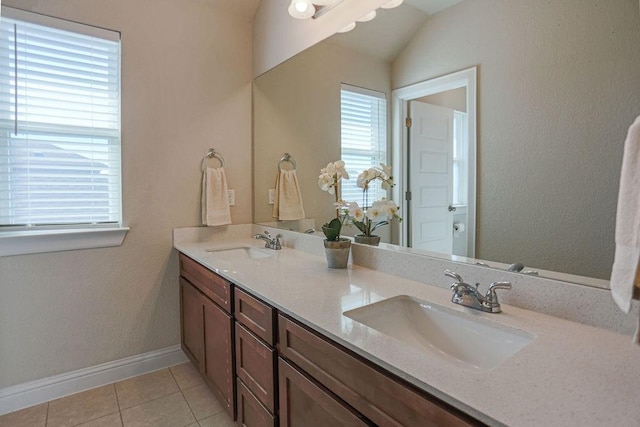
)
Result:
{"points": [[570, 375]]}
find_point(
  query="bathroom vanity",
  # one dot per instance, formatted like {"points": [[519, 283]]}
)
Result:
{"points": [[283, 340], [319, 382]]}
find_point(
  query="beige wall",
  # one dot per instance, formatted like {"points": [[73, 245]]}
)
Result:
{"points": [[186, 87], [307, 127], [557, 89]]}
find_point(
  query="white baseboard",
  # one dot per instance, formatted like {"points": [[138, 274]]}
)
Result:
{"points": [[35, 392]]}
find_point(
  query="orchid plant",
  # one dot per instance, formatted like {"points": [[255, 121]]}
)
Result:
{"points": [[329, 181], [368, 218]]}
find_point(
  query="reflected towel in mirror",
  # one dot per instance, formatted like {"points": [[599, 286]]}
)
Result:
{"points": [[287, 204], [215, 197], [624, 275]]}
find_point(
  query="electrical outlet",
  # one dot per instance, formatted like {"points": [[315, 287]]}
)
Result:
{"points": [[272, 196], [232, 197]]}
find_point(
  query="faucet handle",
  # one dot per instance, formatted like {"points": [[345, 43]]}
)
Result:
{"points": [[499, 285], [277, 245], [491, 299], [454, 276]]}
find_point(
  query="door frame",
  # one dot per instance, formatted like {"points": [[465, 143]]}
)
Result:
{"points": [[399, 140]]}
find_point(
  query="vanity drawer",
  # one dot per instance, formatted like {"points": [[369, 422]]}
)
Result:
{"points": [[251, 413], [255, 315], [209, 283], [375, 394], [255, 366]]}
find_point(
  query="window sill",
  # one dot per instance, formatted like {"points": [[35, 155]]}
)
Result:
{"points": [[34, 242]]}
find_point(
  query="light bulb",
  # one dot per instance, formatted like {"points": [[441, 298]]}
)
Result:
{"points": [[368, 17], [347, 28], [301, 9], [392, 4]]}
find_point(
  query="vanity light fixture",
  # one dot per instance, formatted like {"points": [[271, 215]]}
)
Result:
{"points": [[368, 17], [304, 9], [392, 4], [347, 28], [301, 9]]}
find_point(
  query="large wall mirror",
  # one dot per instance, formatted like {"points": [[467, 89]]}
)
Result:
{"points": [[557, 89]]}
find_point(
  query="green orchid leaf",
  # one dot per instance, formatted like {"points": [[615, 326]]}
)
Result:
{"points": [[380, 224], [332, 229], [361, 226]]}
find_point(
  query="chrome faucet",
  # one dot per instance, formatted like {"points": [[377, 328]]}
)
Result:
{"points": [[270, 242], [469, 296], [518, 267]]}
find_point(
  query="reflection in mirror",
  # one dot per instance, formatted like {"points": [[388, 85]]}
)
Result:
{"points": [[557, 91]]}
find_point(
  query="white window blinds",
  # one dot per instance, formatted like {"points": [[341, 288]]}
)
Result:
{"points": [[59, 123], [364, 139]]}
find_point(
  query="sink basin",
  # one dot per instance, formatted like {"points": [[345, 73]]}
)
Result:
{"points": [[242, 252], [460, 338]]}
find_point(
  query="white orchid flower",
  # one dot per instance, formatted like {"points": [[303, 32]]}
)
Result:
{"points": [[385, 209], [355, 212], [374, 213], [326, 182]]}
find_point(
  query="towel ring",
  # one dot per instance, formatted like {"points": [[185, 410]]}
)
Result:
{"points": [[212, 154], [287, 158]]}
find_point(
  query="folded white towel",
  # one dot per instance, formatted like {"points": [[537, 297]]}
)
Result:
{"points": [[624, 274], [288, 199], [215, 197]]}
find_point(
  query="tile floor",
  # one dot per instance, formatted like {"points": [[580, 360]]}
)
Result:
{"points": [[172, 397]]}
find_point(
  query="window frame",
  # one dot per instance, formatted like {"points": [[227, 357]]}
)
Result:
{"points": [[382, 154], [21, 240]]}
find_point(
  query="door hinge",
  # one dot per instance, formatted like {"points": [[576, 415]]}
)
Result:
{"points": [[407, 196], [408, 122]]}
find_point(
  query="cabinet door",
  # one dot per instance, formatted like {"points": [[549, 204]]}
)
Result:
{"points": [[251, 413], [363, 386], [191, 322], [218, 353], [304, 403], [255, 315], [208, 282], [255, 363]]}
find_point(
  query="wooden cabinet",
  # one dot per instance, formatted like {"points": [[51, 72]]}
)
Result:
{"points": [[255, 365], [207, 328], [255, 360], [256, 316], [191, 324], [376, 394], [217, 366], [251, 412], [309, 381], [305, 403]]}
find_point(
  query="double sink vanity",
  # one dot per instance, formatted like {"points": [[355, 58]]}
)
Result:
{"points": [[283, 340]]}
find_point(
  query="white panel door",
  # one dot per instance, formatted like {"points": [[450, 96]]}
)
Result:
{"points": [[431, 177]]}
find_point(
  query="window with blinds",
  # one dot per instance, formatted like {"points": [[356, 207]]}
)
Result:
{"points": [[59, 123], [363, 139]]}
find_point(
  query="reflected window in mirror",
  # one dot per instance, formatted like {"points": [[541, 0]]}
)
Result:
{"points": [[460, 150], [363, 138]]}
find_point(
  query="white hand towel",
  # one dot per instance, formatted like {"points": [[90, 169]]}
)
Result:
{"points": [[215, 197], [624, 274], [288, 199]]}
